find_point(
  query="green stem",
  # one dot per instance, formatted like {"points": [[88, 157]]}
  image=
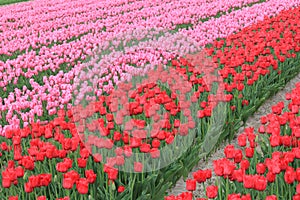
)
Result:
{"points": [[277, 188], [227, 188]]}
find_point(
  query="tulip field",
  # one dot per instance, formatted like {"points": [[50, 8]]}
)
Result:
{"points": [[117, 100]]}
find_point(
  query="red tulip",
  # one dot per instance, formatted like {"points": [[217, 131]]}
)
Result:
{"points": [[112, 173], [260, 183], [246, 197], [244, 164], [200, 176], [90, 176], [27, 162], [121, 189], [155, 153], [138, 167], [19, 171], [155, 143], [261, 129], [229, 151], [238, 156], [6, 183], [238, 175], [44, 179], [82, 186], [298, 188], [297, 174], [289, 175], [81, 162], [117, 136], [260, 168], [28, 187], [249, 181], [296, 197], [4, 146], [127, 151], [191, 184], [212, 191], [62, 167], [135, 142], [234, 196], [242, 140], [145, 148], [84, 153], [249, 152], [186, 196], [271, 197], [68, 183]]}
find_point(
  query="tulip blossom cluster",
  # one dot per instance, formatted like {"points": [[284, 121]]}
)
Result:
{"points": [[39, 151], [72, 177], [11, 174], [37, 181], [47, 72]]}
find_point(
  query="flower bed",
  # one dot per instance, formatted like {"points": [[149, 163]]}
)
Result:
{"points": [[43, 158], [265, 165], [89, 16], [18, 35]]}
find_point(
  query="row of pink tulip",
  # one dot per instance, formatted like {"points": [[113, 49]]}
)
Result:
{"points": [[59, 26], [57, 19], [54, 86], [221, 27], [49, 10], [51, 58]]}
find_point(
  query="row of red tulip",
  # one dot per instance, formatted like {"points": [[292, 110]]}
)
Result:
{"points": [[250, 169]]}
